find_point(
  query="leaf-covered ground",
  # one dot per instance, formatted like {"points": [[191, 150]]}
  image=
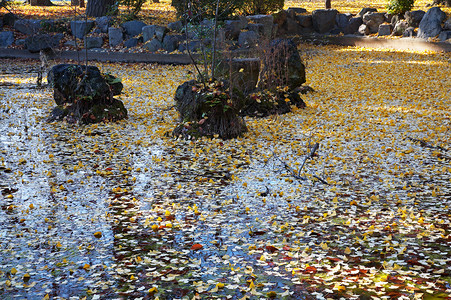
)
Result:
{"points": [[163, 13], [122, 210]]}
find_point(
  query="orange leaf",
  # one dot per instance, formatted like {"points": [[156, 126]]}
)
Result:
{"points": [[196, 247]]}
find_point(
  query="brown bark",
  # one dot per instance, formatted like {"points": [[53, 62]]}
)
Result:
{"points": [[328, 5], [99, 8]]}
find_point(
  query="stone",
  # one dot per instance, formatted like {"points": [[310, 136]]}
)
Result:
{"points": [[389, 17], [447, 25], [160, 32], [28, 27], [363, 30], [342, 20], [414, 17], [191, 46], [293, 27], [409, 32], [103, 23], [305, 21], [20, 42], [324, 20], [395, 19], [444, 35], [175, 26], [241, 72], [400, 27], [40, 42], [81, 28], [6, 38], [93, 42], [266, 20], [148, 32], [431, 24], [247, 39], [85, 98], [171, 42], [372, 20], [296, 10], [9, 19], [257, 28], [153, 46], [364, 10], [132, 42], [353, 25], [233, 28], [204, 114], [115, 36], [282, 65], [133, 28], [384, 29]]}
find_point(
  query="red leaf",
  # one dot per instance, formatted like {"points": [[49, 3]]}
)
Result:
{"points": [[271, 249], [196, 247], [310, 269], [286, 248], [335, 259]]}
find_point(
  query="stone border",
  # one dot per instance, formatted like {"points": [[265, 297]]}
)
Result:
{"points": [[184, 59], [104, 56]]}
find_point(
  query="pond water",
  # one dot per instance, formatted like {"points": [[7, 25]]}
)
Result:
{"points": [[123, 211]]}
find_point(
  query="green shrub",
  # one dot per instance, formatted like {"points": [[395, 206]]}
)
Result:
{"points": [[396, 7], [256, 7], [205, 9], [197, 10]]}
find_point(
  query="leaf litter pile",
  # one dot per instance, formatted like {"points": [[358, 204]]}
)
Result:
{"points": [[125, 211]]}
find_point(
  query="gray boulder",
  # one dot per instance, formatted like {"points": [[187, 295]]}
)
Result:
{"points": [[103, 23], [282, 66], [363, 30], [400, 27], [409, 32], [115, 36], [95, 90], [247, 39], [81, 28], [27, 26], [153, 45], [305, 20], [447, 25], [414, 17], [324, 20], [384, 29], [431, 24], [191, 46], [444, 35], [353, 25], [233, 29], [296, 10], [342, 20], [40, 42], [372, 20], [9, 19], [257, 28], [266, 20], [175, 26], [160, 32], [148, 33], [6, 38], [171, 42], [133, 28], [131, 42], [93, 42], [365, 10]]}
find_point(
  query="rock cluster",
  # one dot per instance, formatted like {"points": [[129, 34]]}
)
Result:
{"points": [[244, 32], [83, 94]]}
